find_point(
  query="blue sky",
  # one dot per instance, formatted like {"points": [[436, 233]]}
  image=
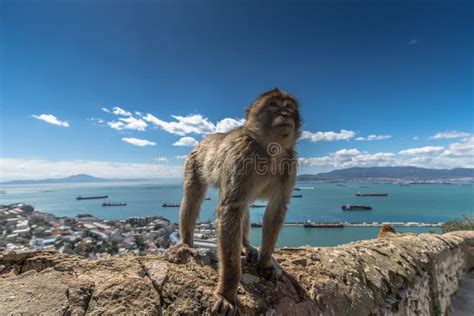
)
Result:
{"points": [[399, 70]]}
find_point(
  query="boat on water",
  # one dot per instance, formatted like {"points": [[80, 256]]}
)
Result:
{"points": [[114, 204], [371, 194], [297, 196], [170, 205], [297, 189], [350, 207], [257, 205], [92, 197], [207, 199], [256, 225], [310, 224]]}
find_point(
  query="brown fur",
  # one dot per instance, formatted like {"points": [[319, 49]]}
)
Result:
{"points": [[386, 231], [255, 161]]}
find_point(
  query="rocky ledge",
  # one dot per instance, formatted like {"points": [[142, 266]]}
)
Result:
{"points": [[406, 274]]}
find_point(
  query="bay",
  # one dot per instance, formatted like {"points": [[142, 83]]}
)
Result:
{"points": [[427, 203]]}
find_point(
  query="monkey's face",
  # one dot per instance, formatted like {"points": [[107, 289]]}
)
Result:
{"points": [[281, 116], [275, 116]]}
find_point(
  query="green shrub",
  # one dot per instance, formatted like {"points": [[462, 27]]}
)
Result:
{"points": [[465, 223]]}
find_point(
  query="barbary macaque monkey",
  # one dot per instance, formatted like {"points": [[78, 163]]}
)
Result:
{"points": [[255, 161], [386, 231]]}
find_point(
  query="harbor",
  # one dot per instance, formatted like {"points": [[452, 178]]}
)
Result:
{"points": [[408, 209], [356, 224]]}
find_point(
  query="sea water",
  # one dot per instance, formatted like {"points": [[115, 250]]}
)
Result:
{"points": [[427, 203]]}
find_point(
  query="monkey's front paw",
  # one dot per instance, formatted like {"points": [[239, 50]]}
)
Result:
{"points": [[251, 255], [179, 253], [223, 306]]}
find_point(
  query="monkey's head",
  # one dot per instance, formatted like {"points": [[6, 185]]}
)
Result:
{"points": [[386, 228], [275, 117]]}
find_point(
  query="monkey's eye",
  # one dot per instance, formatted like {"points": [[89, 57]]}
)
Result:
{"points": [[273, 104]]}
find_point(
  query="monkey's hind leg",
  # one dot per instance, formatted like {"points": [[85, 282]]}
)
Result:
{"points": [[251, 254], [272, 222], [194, 191]]}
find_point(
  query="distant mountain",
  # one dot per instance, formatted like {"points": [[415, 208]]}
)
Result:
{"points": [[78, 178], [402, 173]]}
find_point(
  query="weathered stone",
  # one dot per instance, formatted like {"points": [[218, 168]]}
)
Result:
{"points": [[157, 271], [248, 278], [206, 256], [406, 274], [299, 262]]}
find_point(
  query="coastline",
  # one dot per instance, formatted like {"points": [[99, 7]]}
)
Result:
{"points": [[22, 228]]}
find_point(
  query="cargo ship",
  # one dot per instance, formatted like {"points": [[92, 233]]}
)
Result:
{"points": [[257, 205], [92, 197], [310, 224], [371, 194], [169, 205], [349, 207], [114, 204]]}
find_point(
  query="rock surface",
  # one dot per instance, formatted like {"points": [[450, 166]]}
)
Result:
{"points": [[397, 275]]}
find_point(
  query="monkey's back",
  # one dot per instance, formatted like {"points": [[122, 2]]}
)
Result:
{"points": [[219, 154]]}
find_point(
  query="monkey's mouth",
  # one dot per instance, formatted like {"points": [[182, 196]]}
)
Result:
{"points": [[284, 129], [284, 124]]}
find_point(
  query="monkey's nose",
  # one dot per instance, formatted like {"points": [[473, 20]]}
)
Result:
{"points": [[285, 114]]}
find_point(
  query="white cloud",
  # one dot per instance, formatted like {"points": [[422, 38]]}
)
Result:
{"points": [[450, 135], [119, 111], [345, 158], [415, 138], [138, 142], [126, 120], [228, 124], [96, 121], [427, 150], [27, 169], [130, 122], [456, 155], [186, 142], [348, 152], [51, 119], [183, 125], [327, 136], [464, 148], [373, 137]]}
